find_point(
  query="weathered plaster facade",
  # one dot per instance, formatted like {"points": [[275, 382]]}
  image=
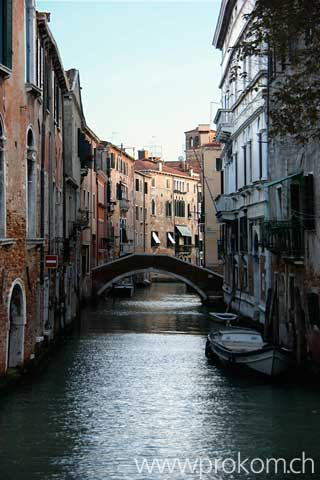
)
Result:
{"points": [[242, 127], [173, 209]]}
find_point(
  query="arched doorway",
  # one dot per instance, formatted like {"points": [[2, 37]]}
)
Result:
{"points": [[17, 322]]}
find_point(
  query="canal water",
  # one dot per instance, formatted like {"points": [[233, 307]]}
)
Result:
{"points": [[134, 389]]}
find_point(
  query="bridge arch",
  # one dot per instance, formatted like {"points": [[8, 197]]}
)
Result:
{"points": [[203, 281], [184, 280]]}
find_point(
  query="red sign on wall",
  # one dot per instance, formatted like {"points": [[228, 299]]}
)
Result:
{"points": [[51, 261]]}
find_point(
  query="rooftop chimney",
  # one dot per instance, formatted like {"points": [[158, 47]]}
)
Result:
{"points": [[143, 154]]}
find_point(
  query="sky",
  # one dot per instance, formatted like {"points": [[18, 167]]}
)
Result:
{"points": [[148, 69]]}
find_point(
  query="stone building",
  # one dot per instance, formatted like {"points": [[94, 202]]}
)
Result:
{"points": [[116, 169], [291, 233], [203, 156], [173, 208], [88, 210], [54, 84], [32, 82], [194, 141], [78, 156], [142, 201], [242, 128]]}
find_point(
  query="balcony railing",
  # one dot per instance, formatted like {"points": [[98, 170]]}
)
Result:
{"points": [[223, 120], [224, 203], [124, 204], [184, 248], [284, 237]]}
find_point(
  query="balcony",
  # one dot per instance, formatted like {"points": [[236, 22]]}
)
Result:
{"points": [[184, 249], [223, 120], [225, 206], [124, 204], [285, 238]]}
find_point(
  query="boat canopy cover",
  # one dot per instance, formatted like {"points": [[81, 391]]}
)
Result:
{"points": [[172, 240], [155, 238], [183, 231]]}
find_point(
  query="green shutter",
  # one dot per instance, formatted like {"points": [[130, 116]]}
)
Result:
{"points": [[7, 41]]}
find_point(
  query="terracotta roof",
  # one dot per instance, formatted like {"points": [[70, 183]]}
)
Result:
{"points": [[180, 166], [212, 144], [147, 165], [203, 127]]}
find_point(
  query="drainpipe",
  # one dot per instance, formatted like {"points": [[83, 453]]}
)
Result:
{"points": [[144, 216], [64, 212], [42, 193], [203, 212]]}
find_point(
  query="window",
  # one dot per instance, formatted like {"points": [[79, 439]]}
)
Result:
{"points": [[153, 182], [244, 234], [39, 64], [137, 185], [168, 183], [85, 260], [309, 203], [179, 208], [6, 33], [145, 188], [189, 211], [57, 102], [245, 165], [137, 213], [155, 241], [279, 203], [170, 240], [295, 199], [153, 207], [313, 309], [187, 187], [141, 214], [94, 205], [47, 84], [2, 186], [31, 185], [119, 191], [236, 170], [249, 148], [30, 35], [260, 155], [168, 209]]}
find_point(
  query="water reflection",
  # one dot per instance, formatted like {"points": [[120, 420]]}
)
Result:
{"points": [[122, 391], [162, 308]]}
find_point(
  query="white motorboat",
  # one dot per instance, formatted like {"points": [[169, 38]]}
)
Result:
{"points": [[245, 348], [225, 318]]}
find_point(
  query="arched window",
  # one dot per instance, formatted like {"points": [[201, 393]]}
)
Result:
{"points": [[31, 185], [191, 142], [2, 185]]}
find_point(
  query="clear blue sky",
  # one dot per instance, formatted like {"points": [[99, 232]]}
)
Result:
{"points": [[148, 69]]}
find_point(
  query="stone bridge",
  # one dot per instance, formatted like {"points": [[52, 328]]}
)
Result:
{"points": [[206, 283]]}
